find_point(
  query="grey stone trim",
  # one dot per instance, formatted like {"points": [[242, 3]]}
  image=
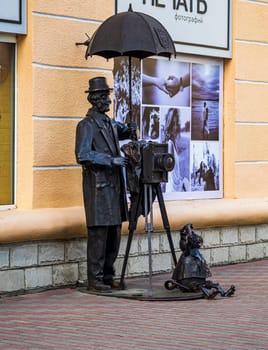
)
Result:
{"points": [[49, 264]]}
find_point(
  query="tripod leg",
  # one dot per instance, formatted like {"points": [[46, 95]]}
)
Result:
{"points": [[149, 229], [165, 220], [133, 218], [130, 236]]}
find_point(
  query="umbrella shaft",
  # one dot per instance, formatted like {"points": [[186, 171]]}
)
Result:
{"points": [[130, 88]]}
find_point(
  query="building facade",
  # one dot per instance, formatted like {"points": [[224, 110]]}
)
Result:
{"points": [[43, 76]]}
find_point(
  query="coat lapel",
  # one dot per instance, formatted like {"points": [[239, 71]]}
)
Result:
{"points": [[115, 135], [107, 136]]}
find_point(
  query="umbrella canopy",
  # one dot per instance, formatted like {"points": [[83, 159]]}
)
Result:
{"points": [[133, 34]]}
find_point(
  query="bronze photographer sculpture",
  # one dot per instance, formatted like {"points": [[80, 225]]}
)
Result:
{"points": [[97, 150], [191, 272]]}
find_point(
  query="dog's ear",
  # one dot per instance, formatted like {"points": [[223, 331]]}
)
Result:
{"points": [[188, 228], [183, 239], [183, 229]]}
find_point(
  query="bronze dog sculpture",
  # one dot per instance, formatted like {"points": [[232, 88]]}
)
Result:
{"points": [[191, 272]]}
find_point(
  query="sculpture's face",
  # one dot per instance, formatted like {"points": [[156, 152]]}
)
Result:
{"points": [[103, 101], [100, 100]]}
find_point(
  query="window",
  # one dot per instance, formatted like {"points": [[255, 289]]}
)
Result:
{"points": [[7, 89]]}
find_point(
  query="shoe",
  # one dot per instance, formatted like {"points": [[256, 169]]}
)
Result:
{"points": [[99, 286], [230, 291], [113, 284]]}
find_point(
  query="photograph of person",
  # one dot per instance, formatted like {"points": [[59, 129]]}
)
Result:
{"points": [[205, 101], [205, 166], [150, 123], [121, 90], [175, 131], [165, 82]]}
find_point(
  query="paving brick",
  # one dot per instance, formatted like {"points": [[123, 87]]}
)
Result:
{"points": [[68, 319]]}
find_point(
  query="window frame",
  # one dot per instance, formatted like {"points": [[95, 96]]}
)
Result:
{"points": [[11, 39]]}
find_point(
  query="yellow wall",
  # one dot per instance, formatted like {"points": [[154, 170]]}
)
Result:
{"points": [[52, 77], [24, 163], [58, 91], [246, 104]]}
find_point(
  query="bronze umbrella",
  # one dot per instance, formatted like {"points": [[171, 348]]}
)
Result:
{"points": [[132, 34]]}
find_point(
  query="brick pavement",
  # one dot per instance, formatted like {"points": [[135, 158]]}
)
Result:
{"points": [[68, 319]]}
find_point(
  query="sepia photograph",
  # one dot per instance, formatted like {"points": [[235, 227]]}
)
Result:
{"points": [[205, 101], [205, 166], [175, 131], [165, 82], [121, 89]]}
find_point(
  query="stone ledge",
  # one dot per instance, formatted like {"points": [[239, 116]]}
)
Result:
{"points": [[19, 225], [52, 273], [41, 224]]}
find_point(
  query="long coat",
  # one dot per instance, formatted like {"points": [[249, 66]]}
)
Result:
{"points": [[103, 183]]}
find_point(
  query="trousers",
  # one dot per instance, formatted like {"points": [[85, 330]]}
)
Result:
{"points": [[102, 249]]}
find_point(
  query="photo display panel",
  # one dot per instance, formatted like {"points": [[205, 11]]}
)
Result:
{"points": [[177, 102]]}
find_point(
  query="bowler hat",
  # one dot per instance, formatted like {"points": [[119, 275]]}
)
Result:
{"points": [[97, 84]]}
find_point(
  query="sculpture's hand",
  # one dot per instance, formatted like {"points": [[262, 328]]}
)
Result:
{"points": [[120, 161], [132, 129]]}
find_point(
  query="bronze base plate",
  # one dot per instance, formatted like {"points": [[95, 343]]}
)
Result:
{"points": [[139, 290]]}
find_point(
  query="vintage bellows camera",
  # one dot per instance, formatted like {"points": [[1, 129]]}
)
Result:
{"points": [[156, 162]]}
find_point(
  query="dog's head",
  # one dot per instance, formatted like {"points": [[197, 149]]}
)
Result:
{"points": [[189, 239]]}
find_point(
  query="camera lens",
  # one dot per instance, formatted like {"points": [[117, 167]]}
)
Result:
{"points": [[165, 162]]}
